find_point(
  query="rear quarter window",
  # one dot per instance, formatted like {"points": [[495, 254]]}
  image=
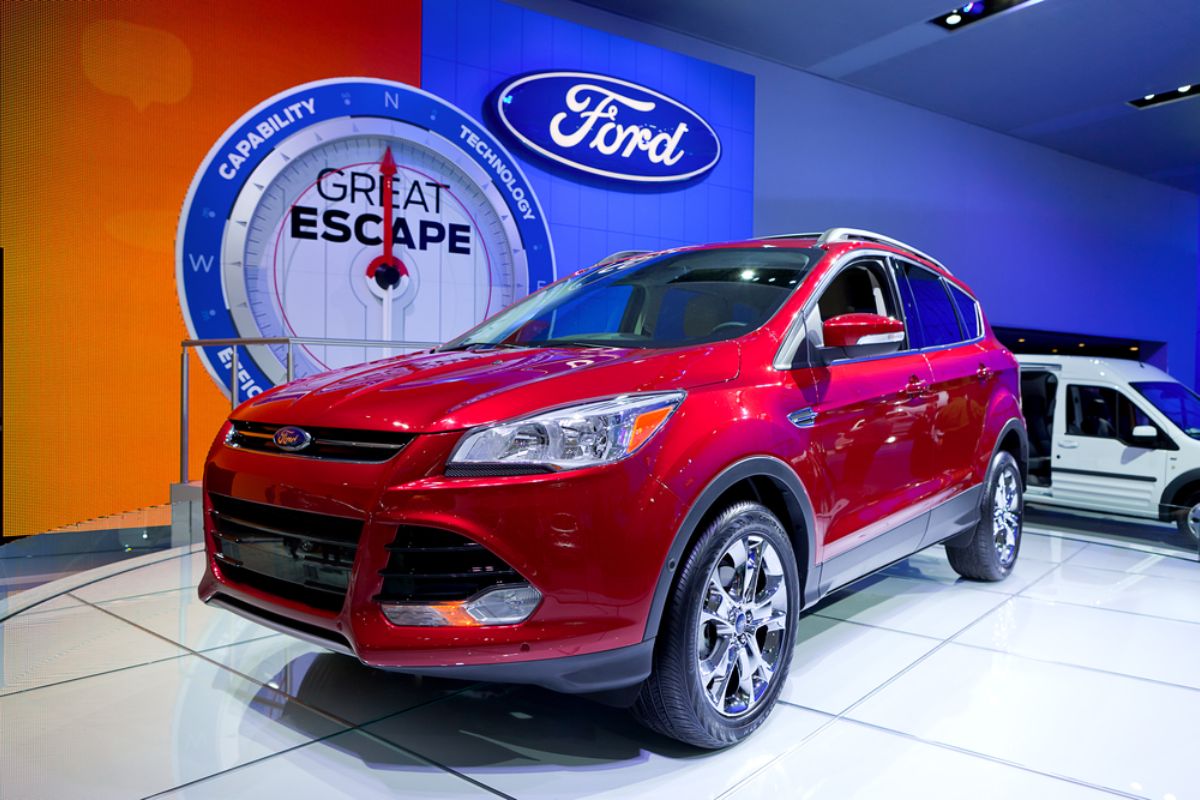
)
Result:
{"points": [[968, 310]]}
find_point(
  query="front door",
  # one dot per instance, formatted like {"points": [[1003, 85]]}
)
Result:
{"points": [[870, 435]]}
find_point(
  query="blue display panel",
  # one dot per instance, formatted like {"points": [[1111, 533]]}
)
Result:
{"points": [[472, 47]]}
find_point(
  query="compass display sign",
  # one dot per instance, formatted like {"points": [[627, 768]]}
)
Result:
{"points": [[352, 209]]}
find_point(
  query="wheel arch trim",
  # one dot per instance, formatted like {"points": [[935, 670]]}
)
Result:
{"points": [[1174, 488], [752, 467], [1017, 425]]}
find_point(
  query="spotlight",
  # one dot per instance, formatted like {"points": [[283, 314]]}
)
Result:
{"points": [[959, 18], [1169, 96]]}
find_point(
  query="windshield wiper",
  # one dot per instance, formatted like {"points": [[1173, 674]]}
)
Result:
{"points": [[577, 343], [473, 346]]}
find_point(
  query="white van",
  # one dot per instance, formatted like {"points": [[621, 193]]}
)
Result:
{"points": [[1111, 435]]}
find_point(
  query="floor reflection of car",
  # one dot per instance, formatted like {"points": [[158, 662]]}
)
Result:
{"points": [[1114, 436], [632, 481]]}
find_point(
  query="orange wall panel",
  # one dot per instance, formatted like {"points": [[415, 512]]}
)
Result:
{"points": [[107, 110]]}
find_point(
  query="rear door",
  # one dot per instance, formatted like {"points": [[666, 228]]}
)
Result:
{"points": [[1096, 462], [962, 382]]}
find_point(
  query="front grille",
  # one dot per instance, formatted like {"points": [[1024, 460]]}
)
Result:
{"points": [[298, 555], [332, 444], [429, 565]]}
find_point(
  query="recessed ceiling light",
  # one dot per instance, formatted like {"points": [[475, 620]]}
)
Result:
{"points": [[959, 18], [1171, 95]]}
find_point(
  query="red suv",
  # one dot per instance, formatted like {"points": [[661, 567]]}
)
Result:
{"points": [[631, 482]]}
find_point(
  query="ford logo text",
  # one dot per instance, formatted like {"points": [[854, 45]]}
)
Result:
{"points": [[608, 127], [292, 439]]}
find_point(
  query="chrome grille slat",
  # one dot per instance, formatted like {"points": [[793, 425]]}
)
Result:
{"points": [[328, 444]]}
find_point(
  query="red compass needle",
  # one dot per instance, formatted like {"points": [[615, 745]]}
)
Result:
{"points": [[392, 268]]}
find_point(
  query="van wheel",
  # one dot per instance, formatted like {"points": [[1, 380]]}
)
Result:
{"points": [[726, 641], [992, 551], [1188, 517]]}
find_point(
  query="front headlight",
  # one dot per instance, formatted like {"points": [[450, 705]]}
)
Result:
{"points": [[585, 435]]}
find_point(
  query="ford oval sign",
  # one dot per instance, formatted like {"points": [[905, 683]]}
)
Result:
{"points": [[607, 126], [292, 439]]}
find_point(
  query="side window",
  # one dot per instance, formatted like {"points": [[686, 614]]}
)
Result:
{"points": [[1102, 412], [861, 288], [968, 311], [939, 321]]}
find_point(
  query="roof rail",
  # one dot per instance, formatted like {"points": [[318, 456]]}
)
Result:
{"points": [[620, 255], [857, 235], [813, 235]]}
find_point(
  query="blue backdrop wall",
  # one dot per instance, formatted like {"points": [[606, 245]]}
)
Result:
{"points": [[1049, 241], [470, 47]]}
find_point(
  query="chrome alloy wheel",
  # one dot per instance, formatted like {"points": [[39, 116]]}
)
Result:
{"points": [[1193, 520], [1006, 516], [742, 628]]}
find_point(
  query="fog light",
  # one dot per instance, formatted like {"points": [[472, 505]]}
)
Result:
{"points": [[502, 605]]}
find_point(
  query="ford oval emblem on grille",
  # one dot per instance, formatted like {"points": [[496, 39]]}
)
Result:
{"points": [[292, 439]]}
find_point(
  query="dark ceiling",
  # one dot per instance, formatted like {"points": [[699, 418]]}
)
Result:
{"points": [[1056, 72]]}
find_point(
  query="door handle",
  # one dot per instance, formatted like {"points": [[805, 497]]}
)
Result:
{"points": [[916, 387], [1066, 444], [983, 373]]}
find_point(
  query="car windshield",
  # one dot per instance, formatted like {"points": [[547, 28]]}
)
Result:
{"points": [[1180, 404], [657, 301]]}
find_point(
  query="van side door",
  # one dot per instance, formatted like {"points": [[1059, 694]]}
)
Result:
{"points": [[1097, 463]]}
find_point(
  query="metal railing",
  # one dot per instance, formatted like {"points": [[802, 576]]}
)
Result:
{"points": [[289, 341]]}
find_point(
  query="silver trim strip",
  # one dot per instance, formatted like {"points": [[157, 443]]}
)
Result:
{"points": [[882, 338]]}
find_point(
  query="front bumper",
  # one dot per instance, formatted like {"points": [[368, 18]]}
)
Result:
{"points": [[592, 541]]}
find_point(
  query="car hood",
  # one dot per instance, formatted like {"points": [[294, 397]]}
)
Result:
{"points": [[442, 391]]}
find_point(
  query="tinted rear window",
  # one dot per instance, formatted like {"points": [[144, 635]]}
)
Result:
{"points": [[939, 322]]}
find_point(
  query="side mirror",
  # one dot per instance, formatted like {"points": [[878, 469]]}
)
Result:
{"points": [[1144, 433], [858, 330]]}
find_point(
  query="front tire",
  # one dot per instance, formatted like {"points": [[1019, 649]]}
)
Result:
{"points": [[992, 551], [726, 643]]}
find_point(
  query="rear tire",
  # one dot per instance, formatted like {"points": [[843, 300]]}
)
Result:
{"points": [[992, 550], [1188, 517], [724, 649]]}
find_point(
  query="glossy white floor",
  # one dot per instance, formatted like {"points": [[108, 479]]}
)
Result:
{"points": [[1078, 677]]}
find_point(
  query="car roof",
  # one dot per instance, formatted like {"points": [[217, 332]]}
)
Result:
{"points": [[1119, 369], [807, 241]]}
